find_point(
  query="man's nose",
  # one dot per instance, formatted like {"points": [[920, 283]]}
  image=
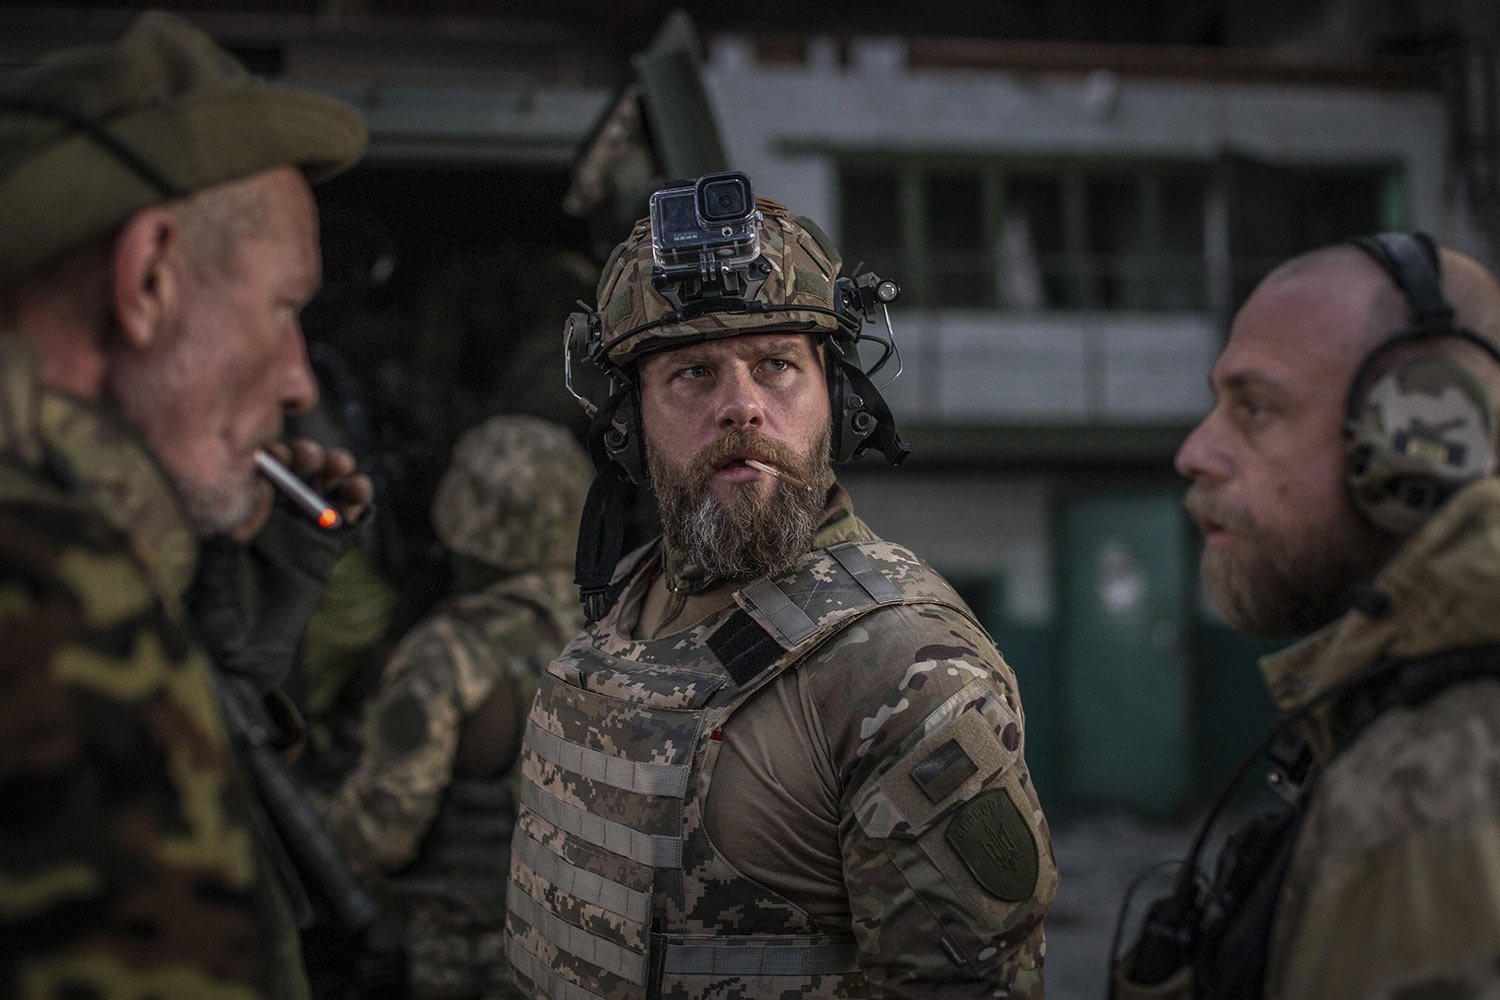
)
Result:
{"points": [[740, 402], [299, 385], [1201, 454]]}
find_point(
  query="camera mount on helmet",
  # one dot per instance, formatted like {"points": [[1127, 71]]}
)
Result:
{"points": [[705, 240]]}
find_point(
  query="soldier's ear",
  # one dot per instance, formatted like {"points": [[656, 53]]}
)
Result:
{"points": [[145, 273]]}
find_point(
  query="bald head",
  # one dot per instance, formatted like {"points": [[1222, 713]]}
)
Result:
{"points": [[1358, 305]]}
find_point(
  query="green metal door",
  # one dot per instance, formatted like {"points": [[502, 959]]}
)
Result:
{"points": [[1125, 680]]}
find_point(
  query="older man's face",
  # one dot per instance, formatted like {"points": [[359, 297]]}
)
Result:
{"points": [[232, 362], [1282, 544], [710, 407]]}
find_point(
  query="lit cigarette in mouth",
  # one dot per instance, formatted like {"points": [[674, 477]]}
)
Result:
{"points": [[771, 470], [299, 493]]}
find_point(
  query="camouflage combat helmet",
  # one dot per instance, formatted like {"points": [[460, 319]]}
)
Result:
{"points": [[513, 493], [799, 264]]}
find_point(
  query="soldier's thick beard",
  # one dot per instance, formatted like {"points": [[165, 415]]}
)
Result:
{"points": [[754, 533], [1286, 588]]}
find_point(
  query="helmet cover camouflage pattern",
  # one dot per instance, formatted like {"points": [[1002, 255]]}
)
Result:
{"points": [[803, 265], [513, 494], [1423, 430]]}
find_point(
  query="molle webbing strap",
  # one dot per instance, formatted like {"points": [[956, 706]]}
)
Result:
{"points": [[591, 948], [834, 955], [553, 986], [745, 648], [617, 772], [788, 619], [644, 848], [858, 565], [582, 884]]}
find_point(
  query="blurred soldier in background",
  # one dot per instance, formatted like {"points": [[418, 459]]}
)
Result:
{"points": [[158, 243], [427, 813], [784, 760], [1345, 486]]}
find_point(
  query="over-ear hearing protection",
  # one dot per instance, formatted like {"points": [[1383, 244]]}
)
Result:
{"points": [[1426, 427]]}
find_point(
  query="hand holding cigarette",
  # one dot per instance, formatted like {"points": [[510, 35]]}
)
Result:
{"points": [[321, 482], [299, 493]]}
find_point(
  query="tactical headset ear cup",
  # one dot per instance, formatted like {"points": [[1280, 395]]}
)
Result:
{"points": [[1419, 433], [851, 421]]}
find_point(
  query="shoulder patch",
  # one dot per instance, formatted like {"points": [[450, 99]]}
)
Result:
{"points": [[993, 840], [944, 770]]}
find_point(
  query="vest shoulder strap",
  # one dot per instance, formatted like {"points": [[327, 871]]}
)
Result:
{"points": [[832, 587]]}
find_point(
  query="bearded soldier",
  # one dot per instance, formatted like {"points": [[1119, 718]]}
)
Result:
{"points": [[1345, 485], [427, 813], [784, 759]]}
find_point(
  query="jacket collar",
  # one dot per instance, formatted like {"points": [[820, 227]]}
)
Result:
{"points": [[1442, 586], [90, 455]]}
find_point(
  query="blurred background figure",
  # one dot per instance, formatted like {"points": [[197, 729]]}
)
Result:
{"points": [[427, 812]]}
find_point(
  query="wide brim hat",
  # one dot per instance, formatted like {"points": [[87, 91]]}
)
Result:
{"points": [[92, 135]]}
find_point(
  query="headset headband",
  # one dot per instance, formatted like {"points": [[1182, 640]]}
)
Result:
{"points": [[1411, 259]]}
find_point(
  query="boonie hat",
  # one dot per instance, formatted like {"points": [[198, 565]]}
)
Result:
{"points": [[91, 135]]}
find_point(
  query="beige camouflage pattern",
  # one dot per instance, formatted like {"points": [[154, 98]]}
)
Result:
{"points": [[512, 494], [1428, 419], [1394, 887], [427, 815], [802, 273], [128, 863], [618, 892]]}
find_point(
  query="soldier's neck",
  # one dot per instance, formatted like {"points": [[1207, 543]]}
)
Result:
{"points": [[680, 595]]}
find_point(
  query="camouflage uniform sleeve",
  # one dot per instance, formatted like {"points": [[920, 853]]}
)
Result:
{"points": [[947, 856], [126, 855], [1394, 890], [413, 722]]}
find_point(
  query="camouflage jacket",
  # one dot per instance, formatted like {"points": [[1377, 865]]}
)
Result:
{"points": [[437, 678], [129, 863], [1394, 885], [426, 815], [854, 819]]}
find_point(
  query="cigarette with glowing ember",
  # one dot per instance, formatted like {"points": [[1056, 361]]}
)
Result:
{"points": [[302, 496], [781, 474]]}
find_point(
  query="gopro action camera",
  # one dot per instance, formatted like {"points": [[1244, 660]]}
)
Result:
{"points": [[707, 225]]}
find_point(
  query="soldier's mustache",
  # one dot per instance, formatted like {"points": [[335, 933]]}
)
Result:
{"points": [[1203, 503], [741, 441]]}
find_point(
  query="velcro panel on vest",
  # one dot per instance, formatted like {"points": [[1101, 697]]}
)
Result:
{"points": [[744, 647]]}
